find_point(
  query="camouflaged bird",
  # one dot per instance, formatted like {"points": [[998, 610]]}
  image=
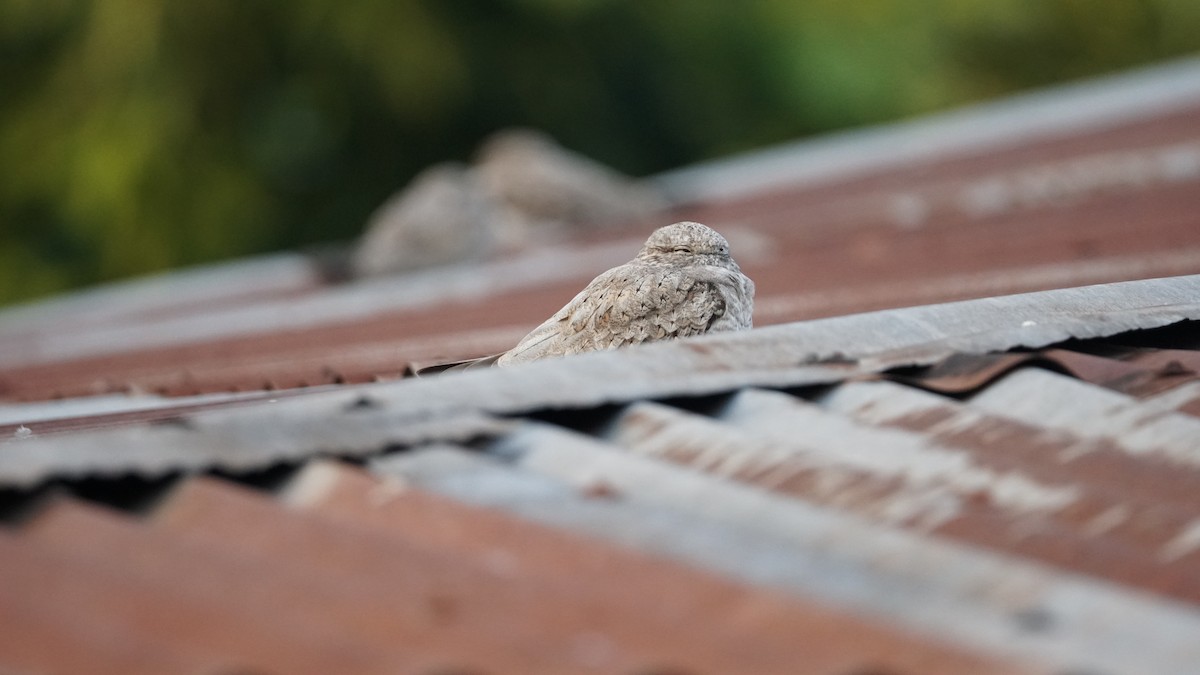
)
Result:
{"points": [[682, 283]]}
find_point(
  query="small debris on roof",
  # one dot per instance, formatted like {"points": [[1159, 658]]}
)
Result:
{"points": [[440, 217], [548, 190]]}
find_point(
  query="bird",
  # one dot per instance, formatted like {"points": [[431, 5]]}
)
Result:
{"points": [[683, 282]]}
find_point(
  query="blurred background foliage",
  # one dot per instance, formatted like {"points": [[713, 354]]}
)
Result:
{"points": [[137, 135]]}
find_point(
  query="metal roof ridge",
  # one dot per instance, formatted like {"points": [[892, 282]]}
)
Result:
{"points": [[113, 404], [811, 352], [363, 420], [281, 271], [1074, 107], [790, 544], [419, 289], [980, 284]]}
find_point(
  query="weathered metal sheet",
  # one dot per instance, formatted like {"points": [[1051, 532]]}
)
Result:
{"points": [[1137, 374], [181, 625], [1184, 399], [650, 589], [249, 438], [975, 598], [933, 513], [1096, 104], [922, 476], [160, 295], [848, 298], [785, 445], [321, 613], [403, 594], [1053, 455], [810, 352], [335, 304], [1054, 401], [1127, 517]]}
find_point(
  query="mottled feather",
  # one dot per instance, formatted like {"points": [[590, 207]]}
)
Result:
{"points": [[682, 283]]}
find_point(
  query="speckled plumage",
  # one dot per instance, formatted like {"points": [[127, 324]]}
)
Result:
{"points": [[682, 283]]}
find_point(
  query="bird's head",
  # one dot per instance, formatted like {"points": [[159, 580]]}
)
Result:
{"points": [[684, 242]]}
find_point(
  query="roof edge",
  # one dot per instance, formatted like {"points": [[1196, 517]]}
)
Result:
{"points": [[366, 419], [1067, 108]]}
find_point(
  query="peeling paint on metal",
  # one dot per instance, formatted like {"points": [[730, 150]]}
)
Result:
{"points": [[1056, 401], [926, 582], [928, 469], [1184, 398], [1184, 543]]}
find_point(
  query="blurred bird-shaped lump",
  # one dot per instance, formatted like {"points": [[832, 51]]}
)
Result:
{"points": [[441, 217], [546, 189], [524, 190]]}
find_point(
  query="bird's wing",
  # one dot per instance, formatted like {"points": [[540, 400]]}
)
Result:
{"points": [[653, 305], [422, 370], [545, 340], [626, 305]]}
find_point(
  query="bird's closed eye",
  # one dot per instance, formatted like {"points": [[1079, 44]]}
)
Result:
{"points": [[682, 249]]}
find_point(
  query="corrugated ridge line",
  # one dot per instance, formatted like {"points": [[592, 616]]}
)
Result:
{"points": [[249, 438], [1024, 118], [333, 304], [114, 405], [975, 599], [1011, 509], [1184, 399], [364, 420], [1062, 274], [943, 572], [1120, 495], [781, 443], [1046, 399], [889, 477], [279, 273]]}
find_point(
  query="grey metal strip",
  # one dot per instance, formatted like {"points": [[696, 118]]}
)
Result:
{"points": [[982, 599]]}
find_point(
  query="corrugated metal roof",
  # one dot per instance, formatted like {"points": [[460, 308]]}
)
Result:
{"points": [[947, 589], [1023, 536], [1014, 200], [1100, 104], [1000, 485], [455, 407]]}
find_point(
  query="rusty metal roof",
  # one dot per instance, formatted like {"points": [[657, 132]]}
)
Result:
{"points": [[971, 506], [1076, 186], [1100, 104], [230, 472], [363, 420]]}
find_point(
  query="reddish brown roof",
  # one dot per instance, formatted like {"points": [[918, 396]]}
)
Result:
{"points": [[1085, 206], [1004, 484]]}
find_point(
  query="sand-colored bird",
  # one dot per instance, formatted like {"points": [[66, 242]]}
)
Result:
{"points": [[682, 283]]}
